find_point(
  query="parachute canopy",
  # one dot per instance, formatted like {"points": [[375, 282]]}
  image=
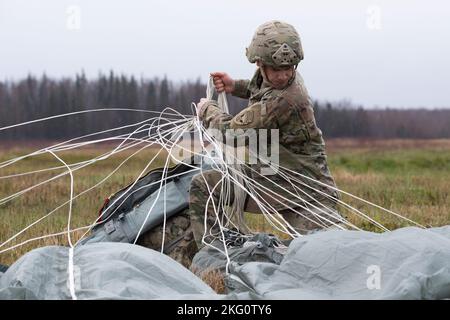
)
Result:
{"points": [[408, 263]]}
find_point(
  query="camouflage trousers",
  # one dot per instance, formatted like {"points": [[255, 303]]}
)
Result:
{"points": [[303, 220], [179, 242]]}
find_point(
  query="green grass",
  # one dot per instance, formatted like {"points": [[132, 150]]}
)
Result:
{"points": [[410, 179], [392, 161], [414, 182]]}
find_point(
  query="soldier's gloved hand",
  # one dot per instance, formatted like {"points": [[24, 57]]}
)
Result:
{"points": [[223, 81]]}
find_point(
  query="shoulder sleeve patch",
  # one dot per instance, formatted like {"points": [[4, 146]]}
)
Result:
{"points": [[245, 118]]}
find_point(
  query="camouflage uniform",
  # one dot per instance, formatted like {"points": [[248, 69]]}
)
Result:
{"points": [[179, 243], [301, 145], [302, 148]]}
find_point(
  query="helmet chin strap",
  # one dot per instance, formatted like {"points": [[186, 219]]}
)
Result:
{"points": [[263, 73]]}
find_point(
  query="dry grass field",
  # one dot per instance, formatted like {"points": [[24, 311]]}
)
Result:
{"points": [[410, 177]]}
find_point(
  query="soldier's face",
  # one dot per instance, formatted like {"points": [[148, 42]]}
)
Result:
{"points": [[279, 77]]}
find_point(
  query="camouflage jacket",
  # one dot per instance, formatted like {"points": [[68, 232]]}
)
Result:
{"points": [[301, 145]]}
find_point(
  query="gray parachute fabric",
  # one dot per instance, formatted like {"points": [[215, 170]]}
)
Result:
{"points": [[144, 204], [258, 248], [101, 271], [411, 263]]}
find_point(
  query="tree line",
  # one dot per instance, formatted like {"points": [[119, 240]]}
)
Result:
{"points": [[37, 97]]}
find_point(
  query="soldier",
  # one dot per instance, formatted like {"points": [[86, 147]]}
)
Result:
{"points": [[279, 100]]}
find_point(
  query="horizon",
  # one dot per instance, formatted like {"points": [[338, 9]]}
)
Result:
{"points": [[340, 104]]}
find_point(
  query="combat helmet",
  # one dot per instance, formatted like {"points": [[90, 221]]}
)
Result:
{"points": [[276, 44]]}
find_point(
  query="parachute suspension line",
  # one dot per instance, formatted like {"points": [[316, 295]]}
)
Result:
{"points": [[70, 199], [357, 198], [226, 174], [71, 249], [8, 162], [288, 178], [217, 220], [339, 201], [50, 235], [70, 266], [164, 174], [166, 130], [346, 206], [75, 197], [131, 186], [262, 188], [159, 191], [81, 228], [74, 113], [85, 164], [233, 208], [237, 174], [101, 215], [265, 208], [85, 191]]}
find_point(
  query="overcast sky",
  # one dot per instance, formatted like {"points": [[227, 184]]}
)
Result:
{"points": [[375, 53]]}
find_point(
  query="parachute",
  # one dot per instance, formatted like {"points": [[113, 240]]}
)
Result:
{"points": [[408, 263], [342, 261], [125, 212]]}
